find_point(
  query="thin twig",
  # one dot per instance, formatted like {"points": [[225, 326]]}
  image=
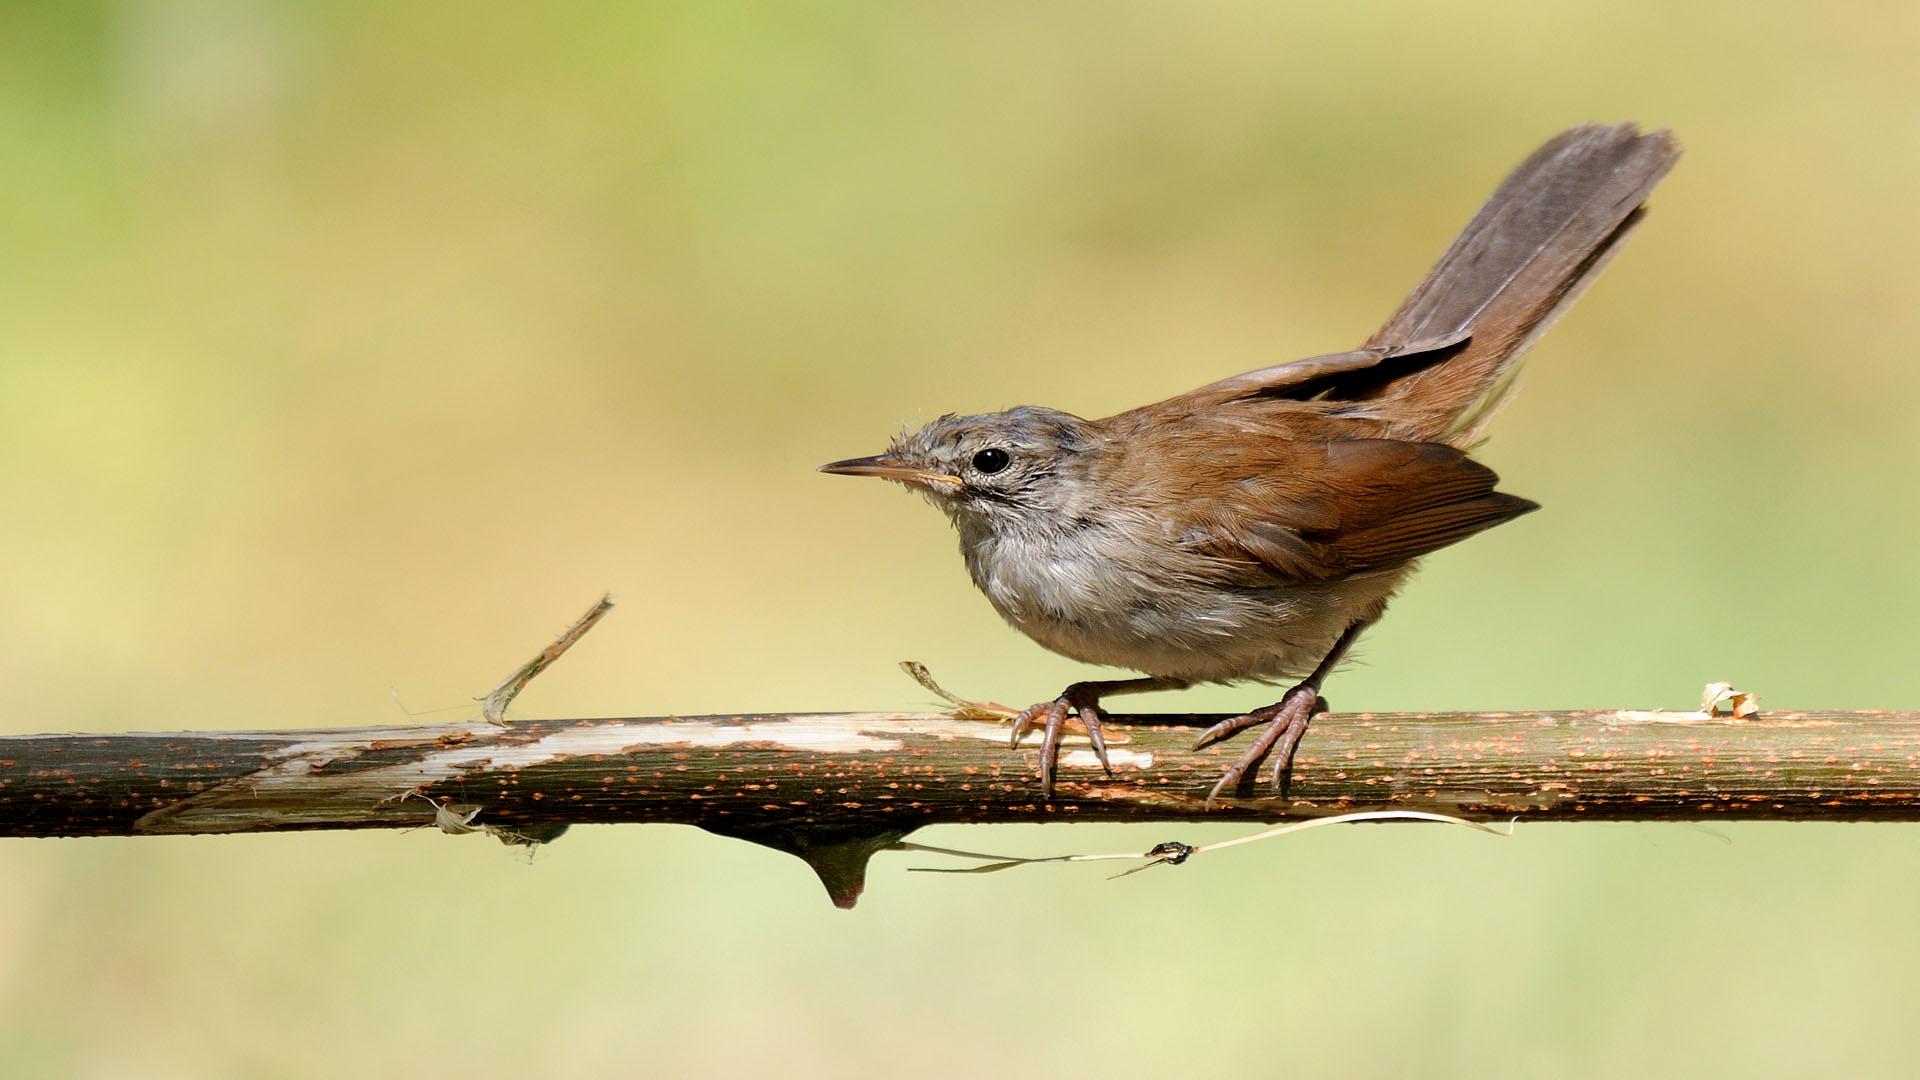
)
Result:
{"points": [[1174, 852], [494, 705]]}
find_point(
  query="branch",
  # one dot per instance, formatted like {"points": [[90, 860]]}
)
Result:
{"points": [[914, 769], [809, 782], [836, 788]]}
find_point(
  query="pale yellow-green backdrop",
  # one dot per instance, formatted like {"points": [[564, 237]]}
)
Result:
{"points": [[348, 351]]}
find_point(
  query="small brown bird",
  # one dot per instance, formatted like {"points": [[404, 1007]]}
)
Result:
{"points": [[1251, 529]]}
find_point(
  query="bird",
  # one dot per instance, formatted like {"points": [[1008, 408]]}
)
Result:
{"points": [[1251, 529]]}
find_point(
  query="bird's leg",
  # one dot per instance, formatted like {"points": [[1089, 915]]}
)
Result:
{"points": [[1083, 700], [1286, 722]]}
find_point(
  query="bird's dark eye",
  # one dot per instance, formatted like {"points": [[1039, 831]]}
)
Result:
{"points": [[991, 460]]}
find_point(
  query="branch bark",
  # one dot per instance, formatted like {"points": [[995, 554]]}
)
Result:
{"points": [[912, 769], [853, 782]]}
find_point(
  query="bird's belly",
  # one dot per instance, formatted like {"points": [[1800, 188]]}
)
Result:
{"points": [[1100, 607]]}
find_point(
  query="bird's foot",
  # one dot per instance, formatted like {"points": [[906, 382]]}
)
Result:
{"points": [[1286, 721], [1081, 699]]}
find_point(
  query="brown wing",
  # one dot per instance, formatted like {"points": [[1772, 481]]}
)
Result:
{"points": [[1296, 511], [1304, 380]]}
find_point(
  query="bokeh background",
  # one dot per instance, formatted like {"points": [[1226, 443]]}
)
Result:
{"points": [[347, 351]]}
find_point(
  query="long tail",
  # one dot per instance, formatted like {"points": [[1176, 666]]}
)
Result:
{"points": [[1538, 242]]}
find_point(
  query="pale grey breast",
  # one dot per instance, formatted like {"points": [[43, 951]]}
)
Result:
{"points": [[1073, 585]]}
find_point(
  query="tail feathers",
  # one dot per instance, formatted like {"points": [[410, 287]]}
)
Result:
{"points": [[1542, 237]]}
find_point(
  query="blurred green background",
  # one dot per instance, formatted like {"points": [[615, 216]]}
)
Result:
{"points": [[354, 348]]}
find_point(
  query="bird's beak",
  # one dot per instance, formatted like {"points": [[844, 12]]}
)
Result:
{"points": [[888, 468]]}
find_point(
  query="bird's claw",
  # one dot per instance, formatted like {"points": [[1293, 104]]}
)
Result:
{"points": [[1051, 716], [1286, 722]]}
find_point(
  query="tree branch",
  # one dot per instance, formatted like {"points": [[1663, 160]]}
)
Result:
{"points": [[909, 769], [833, 788]]}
